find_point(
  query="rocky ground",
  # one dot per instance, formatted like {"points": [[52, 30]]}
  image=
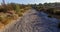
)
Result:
{"points": [[34, 21]]}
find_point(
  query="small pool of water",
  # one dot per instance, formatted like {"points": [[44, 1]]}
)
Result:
{"points": [[51, 22]]}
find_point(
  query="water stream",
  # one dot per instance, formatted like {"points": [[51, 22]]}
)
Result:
{"points": [[50, 23]]}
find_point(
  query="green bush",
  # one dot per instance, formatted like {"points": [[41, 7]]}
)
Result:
{"points": [[17, 8]]}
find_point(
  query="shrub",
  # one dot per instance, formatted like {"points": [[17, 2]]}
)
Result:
{"points": [[50, 10], [2, 16], [20, 14], [22, 10], [57, 13], [17, 8], [3, 10], [6, 21], [9, 18]]}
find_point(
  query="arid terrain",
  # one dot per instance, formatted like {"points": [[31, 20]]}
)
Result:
{"points": [[34, 21], [29, 17]]}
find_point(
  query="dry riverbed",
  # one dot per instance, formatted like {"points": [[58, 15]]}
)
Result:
{"points": [[33, 21]]}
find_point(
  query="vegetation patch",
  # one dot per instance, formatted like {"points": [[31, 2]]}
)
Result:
{"points": [[53, 9], [11, 12]]}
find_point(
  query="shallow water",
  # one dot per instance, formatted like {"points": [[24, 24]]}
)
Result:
{"points": [[52, 23]]}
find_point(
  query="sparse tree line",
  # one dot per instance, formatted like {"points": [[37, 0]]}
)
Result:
{"points": [[52, 8]]}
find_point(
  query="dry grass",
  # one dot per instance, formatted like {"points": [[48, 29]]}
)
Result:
{"points": [[8, 14], [1, 25]]}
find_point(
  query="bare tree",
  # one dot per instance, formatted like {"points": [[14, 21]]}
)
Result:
{"points": [[3, 2]]}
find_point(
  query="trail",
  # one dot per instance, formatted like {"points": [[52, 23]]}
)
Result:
{"points": [[34, 21]]}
